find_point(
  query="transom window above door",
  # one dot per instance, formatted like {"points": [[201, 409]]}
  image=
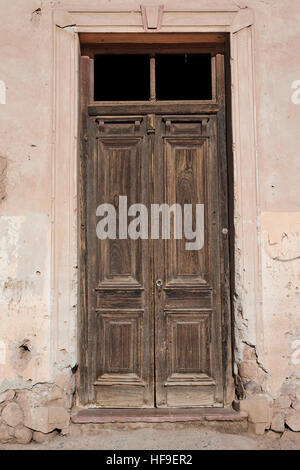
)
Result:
{"points": [[159, 77]]}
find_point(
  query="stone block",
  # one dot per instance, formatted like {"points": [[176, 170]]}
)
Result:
{"points": [[259, 413], [257, 428], [12, 414], [23, 435], [248, 370], [278, 421], [38, 420], [258, 409], [7, 396], [59, 417], [283, 402], [293, 421], [47, 418], [6, 433]]}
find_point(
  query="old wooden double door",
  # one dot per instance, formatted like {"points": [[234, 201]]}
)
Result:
{"points": [[156, 311]]}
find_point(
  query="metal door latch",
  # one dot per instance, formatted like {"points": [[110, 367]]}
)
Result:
{"points": [[159, 285]]}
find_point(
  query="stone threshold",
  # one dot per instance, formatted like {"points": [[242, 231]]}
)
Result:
{"points": [[156, 415]]}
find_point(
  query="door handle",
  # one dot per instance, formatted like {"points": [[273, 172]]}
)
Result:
{"points": [[159, 285]]}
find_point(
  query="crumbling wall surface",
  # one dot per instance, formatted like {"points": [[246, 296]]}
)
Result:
{"points": [[281, 294], [38, 413], [35, 394], [267, 337]]}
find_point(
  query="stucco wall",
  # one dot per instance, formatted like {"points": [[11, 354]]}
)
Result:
{"points": [[277, 66], [26, 136], [268, 340]]}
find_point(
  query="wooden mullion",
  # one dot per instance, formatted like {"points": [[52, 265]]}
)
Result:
{"points": [[152, 78], [92, 80], [159, 107]]}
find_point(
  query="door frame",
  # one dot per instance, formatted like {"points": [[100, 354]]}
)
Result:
{"points": [[66, 49], [215, 107]]}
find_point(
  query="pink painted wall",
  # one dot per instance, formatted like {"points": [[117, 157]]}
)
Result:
{"points": [[26, 262]]}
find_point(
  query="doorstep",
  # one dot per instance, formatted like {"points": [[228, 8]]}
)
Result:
{"points": [[157, 415]]}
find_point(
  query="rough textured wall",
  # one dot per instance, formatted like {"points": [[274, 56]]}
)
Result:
{"points": [[35, 395], [25, 149], [277, 66], [269, 363]]}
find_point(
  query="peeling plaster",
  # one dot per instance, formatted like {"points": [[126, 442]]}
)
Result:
{"points": [[241, 4], [19, 383], [16, 383], [22, 353], [285, 250], [36, 17], [256, 358], [281, 284], [3, 178]]}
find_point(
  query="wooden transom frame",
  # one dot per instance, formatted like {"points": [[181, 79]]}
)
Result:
{"points": [[68, 23], [152, 44]]}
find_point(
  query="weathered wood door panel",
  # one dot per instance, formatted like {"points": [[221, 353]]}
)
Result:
{"points": [[155, 306], [121, 313], [187, 317]]}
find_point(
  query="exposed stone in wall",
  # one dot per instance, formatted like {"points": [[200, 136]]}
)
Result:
{"points": [[259, 409], [38, 413], [274, 372], [286, 408], [250, 375], [252, 372], [278, 422], [279, 416]]}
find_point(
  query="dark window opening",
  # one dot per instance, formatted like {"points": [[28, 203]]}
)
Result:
{"points": [[127, 77], [183, 77], [122, 77]]}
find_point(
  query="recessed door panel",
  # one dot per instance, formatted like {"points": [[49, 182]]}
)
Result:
{"points": [[185, 184], [119, 169]]}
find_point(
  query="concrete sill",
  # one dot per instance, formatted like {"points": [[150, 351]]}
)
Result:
{"points": [[156, 415]]}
